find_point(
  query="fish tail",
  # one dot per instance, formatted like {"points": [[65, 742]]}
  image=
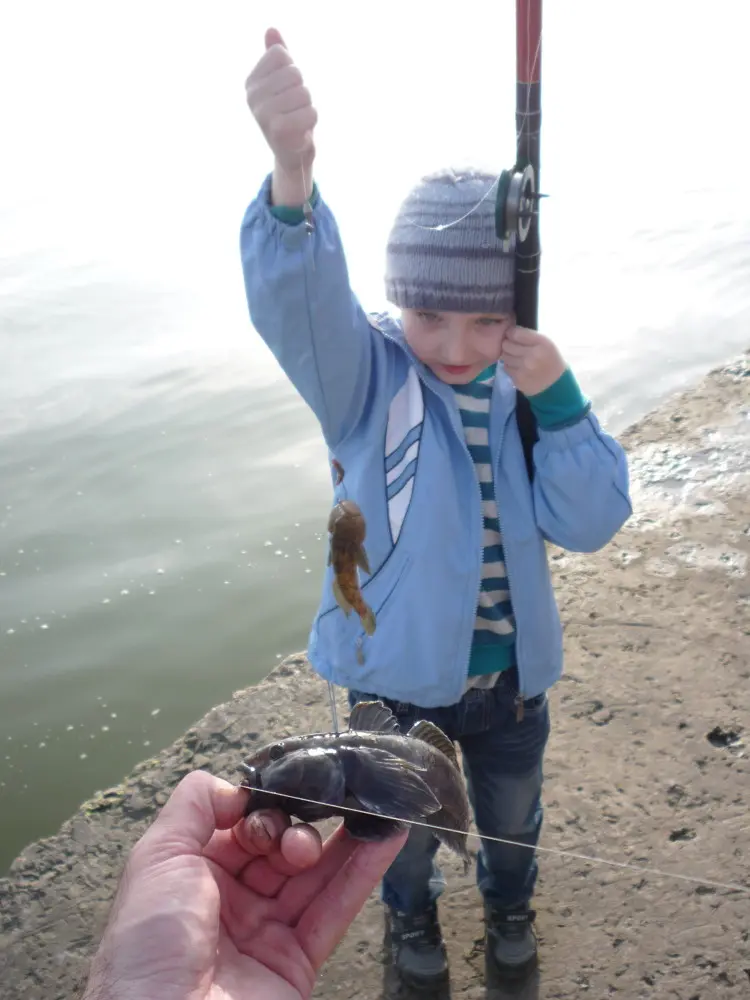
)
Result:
{"points": [[456, 840], [348, 594], [367, 616]]}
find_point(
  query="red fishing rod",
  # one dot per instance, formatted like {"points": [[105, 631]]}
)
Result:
{"points": [[517, 207]]}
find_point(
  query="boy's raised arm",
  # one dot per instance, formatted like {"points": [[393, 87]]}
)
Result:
{"points": [[301, 304], [296, 280]]}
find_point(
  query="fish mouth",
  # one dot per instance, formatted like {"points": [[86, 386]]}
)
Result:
{"points": [[252, 779]]}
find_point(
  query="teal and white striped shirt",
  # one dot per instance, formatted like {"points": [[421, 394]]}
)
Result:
{"points": [[493, 649]]}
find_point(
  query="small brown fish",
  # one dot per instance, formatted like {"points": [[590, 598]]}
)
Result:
{"points": [[338, 468], [346, 526], [372, 766]]}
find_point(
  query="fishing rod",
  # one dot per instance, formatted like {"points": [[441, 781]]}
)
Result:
{"points": [[517, 201]]}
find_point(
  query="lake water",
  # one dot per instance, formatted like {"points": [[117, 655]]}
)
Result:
{"points": [[163, 491]]}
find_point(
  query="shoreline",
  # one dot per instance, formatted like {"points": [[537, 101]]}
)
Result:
{"points": [[653, 702]]}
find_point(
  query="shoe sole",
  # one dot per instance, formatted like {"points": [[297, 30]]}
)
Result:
{"points": [[421, 985], [508, 975]]}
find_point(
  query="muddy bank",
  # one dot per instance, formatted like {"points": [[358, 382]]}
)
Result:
{"points": [[648, 760]]}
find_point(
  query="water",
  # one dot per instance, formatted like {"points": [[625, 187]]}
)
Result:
{"points": [[163, 492]]}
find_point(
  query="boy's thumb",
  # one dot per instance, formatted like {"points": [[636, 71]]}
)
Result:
{"points": [[273, 37]]}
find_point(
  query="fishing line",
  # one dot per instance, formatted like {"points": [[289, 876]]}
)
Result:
{"points": [[732, 887], [334, 711], [455, 222], [340, 477], [447, 225]]}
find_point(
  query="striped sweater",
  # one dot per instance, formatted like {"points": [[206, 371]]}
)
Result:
{"points": [[493, 649]]}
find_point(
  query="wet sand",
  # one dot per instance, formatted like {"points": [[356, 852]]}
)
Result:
{"points": [[648, 759]]}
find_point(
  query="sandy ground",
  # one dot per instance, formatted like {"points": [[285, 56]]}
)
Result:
{"points": [[648, 761]]}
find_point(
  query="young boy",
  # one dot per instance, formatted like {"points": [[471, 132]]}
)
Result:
{"points": [[420, 413]]}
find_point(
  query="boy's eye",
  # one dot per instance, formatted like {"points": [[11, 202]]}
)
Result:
{"points": [[428, 317], [491, 320]]}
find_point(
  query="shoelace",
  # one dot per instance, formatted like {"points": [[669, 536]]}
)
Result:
{"points": [[511, 930], [420, 932]]}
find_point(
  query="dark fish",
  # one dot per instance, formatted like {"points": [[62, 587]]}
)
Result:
{"points": [[372, 766], [346, 526]]}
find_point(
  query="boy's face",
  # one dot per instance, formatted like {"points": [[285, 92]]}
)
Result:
{"points": [[455, 346]]}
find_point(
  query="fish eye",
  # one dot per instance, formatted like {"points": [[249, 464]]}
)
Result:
{"points": [[276, 751]]}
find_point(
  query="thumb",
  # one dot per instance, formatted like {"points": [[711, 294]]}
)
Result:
{"points": [[199, 805], [273, 37]]}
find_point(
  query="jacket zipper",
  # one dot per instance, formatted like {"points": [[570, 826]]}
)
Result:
{"points": [[462, 438]]}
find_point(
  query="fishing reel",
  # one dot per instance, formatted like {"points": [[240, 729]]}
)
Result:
{"points": [[516, 203]]}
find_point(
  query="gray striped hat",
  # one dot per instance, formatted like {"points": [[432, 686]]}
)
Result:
{"points": [[462, 268]]}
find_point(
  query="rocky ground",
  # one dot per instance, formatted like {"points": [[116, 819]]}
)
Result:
{"points": [[648, 761]]}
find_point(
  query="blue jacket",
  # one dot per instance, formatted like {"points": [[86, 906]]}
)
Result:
{"points": [[396, 430]]}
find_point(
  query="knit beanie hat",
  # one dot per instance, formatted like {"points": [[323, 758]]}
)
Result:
{"points": [[464, 267]]}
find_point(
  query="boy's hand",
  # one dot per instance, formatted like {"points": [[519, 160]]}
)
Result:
{"points": [[282, 107], [531, 360]]}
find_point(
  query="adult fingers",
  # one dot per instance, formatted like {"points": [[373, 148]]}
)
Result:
{"points": [[243, 911], [200, 804], [324, 923], [299, 892], [247, 902], [259, 833], [300, 849]]}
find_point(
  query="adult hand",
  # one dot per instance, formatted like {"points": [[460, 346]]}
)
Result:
{"points": [[282, 106], [531, 360], [213, 905]]}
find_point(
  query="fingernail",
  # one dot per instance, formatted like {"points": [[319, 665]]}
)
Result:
{"points": [[260, 826], [268, 827]]}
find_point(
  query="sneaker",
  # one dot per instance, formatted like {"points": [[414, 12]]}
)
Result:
{"points": [[510, 944], [417, 949]]}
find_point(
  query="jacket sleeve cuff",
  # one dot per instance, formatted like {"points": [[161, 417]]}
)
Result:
{"points": [[293, 215], [560, 404]]}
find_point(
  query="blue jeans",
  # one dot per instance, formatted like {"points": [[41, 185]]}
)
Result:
{"points": [[502, 761]]}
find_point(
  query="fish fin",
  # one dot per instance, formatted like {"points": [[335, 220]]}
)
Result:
{"points": [[385, 784], [368, 620], [428, 732], [340, 599], [451, 834], [362, 560], [373, 717], [371, 828]]}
